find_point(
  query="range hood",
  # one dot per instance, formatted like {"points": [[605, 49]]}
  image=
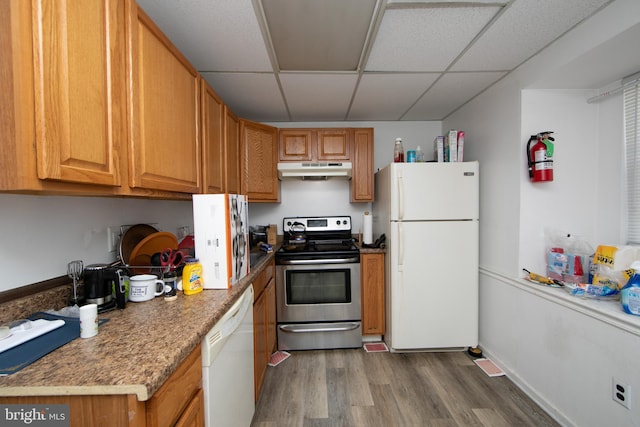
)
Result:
{"points": [[314, 170]]}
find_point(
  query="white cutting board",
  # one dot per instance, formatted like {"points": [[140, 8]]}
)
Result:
{"points": [[38, 327]]}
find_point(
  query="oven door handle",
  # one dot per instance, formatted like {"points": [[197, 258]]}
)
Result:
{"points": [[317, 261], [341, 327]]}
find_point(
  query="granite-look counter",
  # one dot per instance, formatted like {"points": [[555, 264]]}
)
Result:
{"points": [[134, 352]]}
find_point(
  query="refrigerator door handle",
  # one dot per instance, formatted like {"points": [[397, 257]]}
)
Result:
{"points": [[400, 246], [400, 196]]}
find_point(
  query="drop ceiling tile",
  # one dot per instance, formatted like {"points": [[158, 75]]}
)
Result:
{"points": [[451, 2], [388, 96], [318, 97], [425, 39], [250, 95], [215, 35], [525, 27], [311, 35], [451, 91]]}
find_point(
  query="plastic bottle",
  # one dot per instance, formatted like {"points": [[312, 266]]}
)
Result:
{"points": [[192, 282], [398, 151], [630, 293], [419, 154]]}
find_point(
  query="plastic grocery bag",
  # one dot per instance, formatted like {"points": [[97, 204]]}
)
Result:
{"points": [[568, 256]]}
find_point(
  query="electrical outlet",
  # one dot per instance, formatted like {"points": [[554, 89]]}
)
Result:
{"points": [[621, 392], [182, 232], [113, 237]]}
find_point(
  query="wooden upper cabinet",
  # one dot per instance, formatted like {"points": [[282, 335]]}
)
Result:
{"points": [[362, 175], [259, 161], [232, 146], [213, 141], [300, 145], [79, 90], [333, 144], [164, 152], [295, 145]]}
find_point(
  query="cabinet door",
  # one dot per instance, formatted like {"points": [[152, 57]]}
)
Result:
{"points": [[333, 144], [295, 145], [372, 277], [259, 159], [232, 147], [193, 415], [80, 89], [165, 146], [270, 322], [169, 403], [259, 343], [362, 178], [213, 150]]}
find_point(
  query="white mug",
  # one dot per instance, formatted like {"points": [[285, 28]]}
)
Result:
{"points": [[144, 287]]}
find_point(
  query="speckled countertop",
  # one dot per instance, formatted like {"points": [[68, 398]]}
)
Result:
{"points": [[134, 352]]}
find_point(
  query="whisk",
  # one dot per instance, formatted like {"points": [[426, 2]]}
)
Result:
{"points": [[74, 271]]}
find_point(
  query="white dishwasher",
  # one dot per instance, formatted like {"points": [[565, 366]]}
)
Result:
{"points": [[227, 367]]}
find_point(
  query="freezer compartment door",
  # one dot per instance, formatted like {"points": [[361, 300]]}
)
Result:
{"points": [[434, 191], [433, 288]]}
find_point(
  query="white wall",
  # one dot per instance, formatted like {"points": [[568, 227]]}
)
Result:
{"points": [[41, 234], [563, 356]]}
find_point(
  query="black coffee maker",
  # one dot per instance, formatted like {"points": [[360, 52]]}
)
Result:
{"points": [[104, 286]]}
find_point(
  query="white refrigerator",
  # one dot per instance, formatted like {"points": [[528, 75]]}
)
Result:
{"points": [[429, 213]]}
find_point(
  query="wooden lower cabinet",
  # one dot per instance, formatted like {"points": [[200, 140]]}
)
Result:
{"points": [[181, 393], [264, 323], [372, 278], [179, 401], [193, 415]]}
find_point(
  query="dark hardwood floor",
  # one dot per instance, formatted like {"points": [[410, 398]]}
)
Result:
{"points": [[320, 388]]}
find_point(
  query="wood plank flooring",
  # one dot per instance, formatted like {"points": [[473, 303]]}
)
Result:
{"points": [[321, 388]]}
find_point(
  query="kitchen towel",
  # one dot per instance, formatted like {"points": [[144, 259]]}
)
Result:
{"points": [[25, 354], [367, 228]]}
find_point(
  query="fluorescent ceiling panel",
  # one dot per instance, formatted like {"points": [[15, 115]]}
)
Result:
{"points": [[388, 96], [318, 97], [311, 35], [215, 35], [525, 27], [452, 90], [249, 95], [425, 39]]}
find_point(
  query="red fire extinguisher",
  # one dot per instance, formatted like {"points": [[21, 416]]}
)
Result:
{"points": [[539, 157]]}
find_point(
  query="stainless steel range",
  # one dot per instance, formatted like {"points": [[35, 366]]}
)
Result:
{"points": [[318, 285]]}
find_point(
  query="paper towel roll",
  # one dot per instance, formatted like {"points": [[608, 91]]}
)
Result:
{"points": [[367, 229]]}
